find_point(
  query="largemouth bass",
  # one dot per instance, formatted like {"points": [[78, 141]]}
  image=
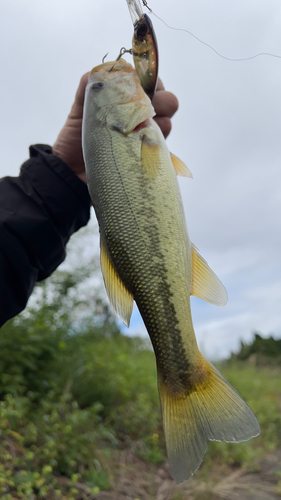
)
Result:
{"points": [[147, 256]]}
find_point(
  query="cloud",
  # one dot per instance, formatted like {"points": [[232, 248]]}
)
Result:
{"points": [[227, 129]]}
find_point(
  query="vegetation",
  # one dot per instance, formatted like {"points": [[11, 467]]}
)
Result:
{"points": [[77, 396], [262, 351]]}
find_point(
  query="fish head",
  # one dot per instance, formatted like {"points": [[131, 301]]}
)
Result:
{"points": [[115, 98]]}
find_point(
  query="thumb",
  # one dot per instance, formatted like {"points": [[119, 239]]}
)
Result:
{"points": [[77, 107]]}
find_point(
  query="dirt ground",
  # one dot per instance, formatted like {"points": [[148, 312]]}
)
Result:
{"points": [[138, 480]]}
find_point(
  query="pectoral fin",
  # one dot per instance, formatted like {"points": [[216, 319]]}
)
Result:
{"points": [[180, 167], [150, 160], [120, 299], [205, 284]]}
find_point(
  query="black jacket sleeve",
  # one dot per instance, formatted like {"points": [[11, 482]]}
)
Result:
{"points": [[39, 210]]}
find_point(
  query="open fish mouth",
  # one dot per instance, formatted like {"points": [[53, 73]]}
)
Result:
{"points": [[141, 125]]}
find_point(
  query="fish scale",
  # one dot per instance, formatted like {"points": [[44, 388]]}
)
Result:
{"points": [[150, 206]]}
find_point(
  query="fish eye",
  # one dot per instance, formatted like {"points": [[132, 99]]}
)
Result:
{"points": [[141, 31], [97, 85]]}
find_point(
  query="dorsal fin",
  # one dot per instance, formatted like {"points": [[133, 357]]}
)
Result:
{"points": [[205, 284], [180, 167], [120, 298]]}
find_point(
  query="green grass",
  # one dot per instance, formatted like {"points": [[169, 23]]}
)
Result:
{"points": [[75, 394], [70, 434]]}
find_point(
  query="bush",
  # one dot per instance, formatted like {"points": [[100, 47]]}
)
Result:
{"points": [[73, 390], [49, 451]]}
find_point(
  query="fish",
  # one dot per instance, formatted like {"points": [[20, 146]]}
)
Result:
{"points": [[146, 256]]}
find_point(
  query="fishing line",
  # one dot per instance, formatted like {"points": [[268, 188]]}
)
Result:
{"points": [[207, 44]]}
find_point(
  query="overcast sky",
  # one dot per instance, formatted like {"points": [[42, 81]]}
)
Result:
{"points": [[227, 129]]}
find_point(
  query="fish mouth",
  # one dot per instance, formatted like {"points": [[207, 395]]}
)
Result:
{"points": [[141, 125]]}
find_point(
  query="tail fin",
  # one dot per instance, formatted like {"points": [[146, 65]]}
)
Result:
{"points": [[213, 410]]}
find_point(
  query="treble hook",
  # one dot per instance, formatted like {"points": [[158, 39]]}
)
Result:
{"points": [[123, 51], [104, 57]]}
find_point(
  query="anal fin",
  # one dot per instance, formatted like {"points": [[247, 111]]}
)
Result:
{"points": [[205, 284], [120, 298]]}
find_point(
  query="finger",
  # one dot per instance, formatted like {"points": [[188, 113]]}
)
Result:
{"points": [[160, 85], [165, 103], [78, 104], [164, 123]]}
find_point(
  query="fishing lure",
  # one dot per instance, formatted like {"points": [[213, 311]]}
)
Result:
{"points": [[145, 48]]}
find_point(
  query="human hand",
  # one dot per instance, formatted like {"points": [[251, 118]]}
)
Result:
{"points": [[165, 105], [68, 146]]}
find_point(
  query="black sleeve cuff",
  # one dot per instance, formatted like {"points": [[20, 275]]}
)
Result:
{"points": [[41, 209], [65, 196]]}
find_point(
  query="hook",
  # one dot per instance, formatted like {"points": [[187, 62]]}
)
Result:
{"points": [[123, 51], [104, 57]]}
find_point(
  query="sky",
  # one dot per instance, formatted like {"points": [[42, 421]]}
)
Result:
{"points": [[227, 129]]}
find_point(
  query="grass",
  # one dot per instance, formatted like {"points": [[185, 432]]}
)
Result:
{"points": [[66, 444], [80, 414]]}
